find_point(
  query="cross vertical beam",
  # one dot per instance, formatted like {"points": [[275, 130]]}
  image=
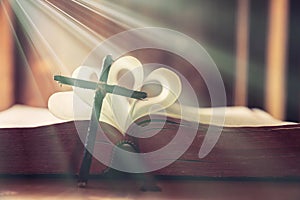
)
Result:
{"points": [[93, 125], [101, 88]]}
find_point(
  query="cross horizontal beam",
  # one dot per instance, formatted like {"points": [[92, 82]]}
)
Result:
{"points": [[113, 89]]}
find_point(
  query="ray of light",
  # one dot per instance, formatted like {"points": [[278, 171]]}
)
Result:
{"points": [[37, 89], [114, 13], [34, 33], [21, 50], [54, 36], [84, 31]]}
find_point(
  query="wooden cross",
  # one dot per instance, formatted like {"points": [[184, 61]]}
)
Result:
{"points": [[101, 89]]}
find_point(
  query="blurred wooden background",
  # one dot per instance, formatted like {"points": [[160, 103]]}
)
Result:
{"points": [[254, 43]]}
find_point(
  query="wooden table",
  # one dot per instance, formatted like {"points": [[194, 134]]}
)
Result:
{"points": [[15, 188]]}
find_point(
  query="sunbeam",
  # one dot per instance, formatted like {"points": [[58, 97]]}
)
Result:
{"points": [[54, 36], [23, 56]]}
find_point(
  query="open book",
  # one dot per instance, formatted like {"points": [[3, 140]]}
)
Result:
{"points": [[251, 142], [22, 116], [33, 141], [163, 87]]}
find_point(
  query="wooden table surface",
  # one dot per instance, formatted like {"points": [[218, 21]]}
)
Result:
{"points": [[61, 188]]}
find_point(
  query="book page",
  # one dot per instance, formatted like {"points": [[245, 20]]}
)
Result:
{"points": [[20, 116], [119, 111], [229, 116], [163, 87]]}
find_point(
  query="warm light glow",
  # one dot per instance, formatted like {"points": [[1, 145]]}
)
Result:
{"points": [[242, 53], [276, 58], [56, 38], [6, 58]]}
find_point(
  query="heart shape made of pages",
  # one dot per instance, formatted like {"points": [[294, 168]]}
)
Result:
{"points": [[162, 85]]}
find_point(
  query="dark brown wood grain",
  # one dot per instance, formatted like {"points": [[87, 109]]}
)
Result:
{"points": [[55, 149], [239, 152]]}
